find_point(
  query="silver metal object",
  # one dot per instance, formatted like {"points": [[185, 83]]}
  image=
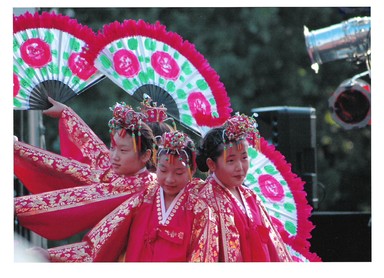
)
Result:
{"points": [[348, 40]]}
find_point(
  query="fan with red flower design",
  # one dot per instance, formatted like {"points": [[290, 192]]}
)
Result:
{"points": [[47, 61], [282, 193], [142, 58]]}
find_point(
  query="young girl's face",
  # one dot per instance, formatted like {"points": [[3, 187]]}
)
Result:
{"points": [[124, 159], [232, 172], [172, 177]]}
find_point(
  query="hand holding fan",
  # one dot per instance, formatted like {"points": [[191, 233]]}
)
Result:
{"points": [[146, 59], [47, 61]]}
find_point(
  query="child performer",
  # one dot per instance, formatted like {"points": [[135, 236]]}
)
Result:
{"points": [[61, 213], [245, 229], [166, 223], [84, 158]]}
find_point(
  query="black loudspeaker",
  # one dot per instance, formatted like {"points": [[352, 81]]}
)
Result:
{"points": [[292, 130], [342, 236]]}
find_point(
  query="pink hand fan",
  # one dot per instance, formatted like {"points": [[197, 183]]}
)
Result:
{"points": [[47, 61], [282, 193], [146, 59]]}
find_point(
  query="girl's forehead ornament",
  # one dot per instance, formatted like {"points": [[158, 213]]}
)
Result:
{"points": [[176, 143]]}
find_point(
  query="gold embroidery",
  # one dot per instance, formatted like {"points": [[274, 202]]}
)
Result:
{"points": [[65, 198]]}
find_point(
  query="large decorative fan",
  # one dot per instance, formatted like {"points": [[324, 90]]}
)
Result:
{"points": [[283, 195], [143, 58], [47, 61]]}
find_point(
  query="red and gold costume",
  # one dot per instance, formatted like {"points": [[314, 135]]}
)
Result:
{"points": [[186, 232], [72, 191], [59, 214], [84, 159], [246, 232]]}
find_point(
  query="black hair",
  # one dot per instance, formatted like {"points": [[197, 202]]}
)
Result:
{"points": [[159, 128], [211, 146]]}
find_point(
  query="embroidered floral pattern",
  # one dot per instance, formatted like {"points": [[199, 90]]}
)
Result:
{"points": [[78, 252], [66, 198], [221, 201], [203, 242], [223, 212], [51, 161], [85, 139]]}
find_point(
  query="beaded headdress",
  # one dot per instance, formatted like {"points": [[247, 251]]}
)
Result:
{"points": [[125, 118], [176, 143], [154, 112], [240, 127]]}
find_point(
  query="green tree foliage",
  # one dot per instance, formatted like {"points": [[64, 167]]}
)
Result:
{"points": [[260, 56]]}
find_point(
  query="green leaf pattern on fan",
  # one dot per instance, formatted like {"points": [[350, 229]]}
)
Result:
{"points": [[42, 54], [128, 62], [273, 190]]}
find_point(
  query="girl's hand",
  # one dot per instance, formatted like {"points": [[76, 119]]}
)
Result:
{"points": [[56, 110]]}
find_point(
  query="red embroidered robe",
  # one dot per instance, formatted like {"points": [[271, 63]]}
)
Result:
{"points": [[246, 232], [77, 189], [59, 214], [84, 159], [139, 231]]}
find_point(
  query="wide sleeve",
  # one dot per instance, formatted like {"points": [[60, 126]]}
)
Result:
{"points": [[40, 170], [59, 214], [79, 142], [106, 241]]}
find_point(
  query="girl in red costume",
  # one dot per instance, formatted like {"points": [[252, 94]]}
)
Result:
{"points": [[168, 222], [245, 228], [94, 185]]}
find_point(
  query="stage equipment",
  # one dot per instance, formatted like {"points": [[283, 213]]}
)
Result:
{"points": [[350, 104], [348, 40]]}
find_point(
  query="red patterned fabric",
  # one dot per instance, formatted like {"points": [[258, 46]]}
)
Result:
{"points": [[79, 142], [72, 191], [41, 170], [246, 234], [134, 232], [84, 159], [58, 214]]}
